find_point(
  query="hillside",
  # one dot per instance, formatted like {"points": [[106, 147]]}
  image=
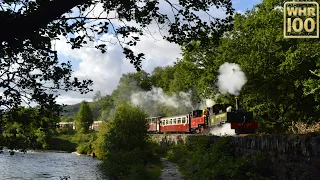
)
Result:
{"points": [[70, 110]]}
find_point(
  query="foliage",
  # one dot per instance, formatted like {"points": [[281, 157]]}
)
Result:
{"points": [[199, 160], [28, 128], [154, 171], [97, 96], [280, 87], [283, 74], [63, 143], [304, 128], [100, 109], [29, 62], [84, 118], [74, 21], [82, 143], [126, 145], [162, 76], [85, 142], [104, 128], [130, 83]]}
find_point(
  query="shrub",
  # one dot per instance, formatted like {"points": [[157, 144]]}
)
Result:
{"points": [[98, 143], [84, 148], [126, 146]]}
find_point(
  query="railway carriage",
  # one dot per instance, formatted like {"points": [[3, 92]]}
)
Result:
{"points": [[154, 124], [175, 124]]}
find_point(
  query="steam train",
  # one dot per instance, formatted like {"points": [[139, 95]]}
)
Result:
{"points": [[202, 121]]}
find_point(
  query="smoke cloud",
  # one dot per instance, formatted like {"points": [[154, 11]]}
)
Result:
{"points": [[151, 100], [223, 130], [231, 78], [206, 103]]}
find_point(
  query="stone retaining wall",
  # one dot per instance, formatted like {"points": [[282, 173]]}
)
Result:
{"points": [[295, 157]]}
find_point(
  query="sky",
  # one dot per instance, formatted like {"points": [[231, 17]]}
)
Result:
{"points": [[106, 69]]}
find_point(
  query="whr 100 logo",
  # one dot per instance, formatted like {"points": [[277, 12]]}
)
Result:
{"points": [[301, 20]]}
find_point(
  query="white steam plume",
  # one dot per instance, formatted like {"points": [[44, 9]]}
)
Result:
{"points": [[210, 102], [231, 78], [206, 103], [150, 99], [223, 130]]}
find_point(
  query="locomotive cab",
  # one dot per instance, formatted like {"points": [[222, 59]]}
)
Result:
{"points": [[240, 120], [197, 113]]}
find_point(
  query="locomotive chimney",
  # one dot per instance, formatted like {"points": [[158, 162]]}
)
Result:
{"points": [[237, 103]]}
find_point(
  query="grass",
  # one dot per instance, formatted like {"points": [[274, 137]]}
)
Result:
{"points": [[154, 170]]}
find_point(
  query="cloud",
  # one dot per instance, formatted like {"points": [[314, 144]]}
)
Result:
{"points": [[106, 69]]}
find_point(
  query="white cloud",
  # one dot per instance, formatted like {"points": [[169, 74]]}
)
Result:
{"points": [[106, 69]]}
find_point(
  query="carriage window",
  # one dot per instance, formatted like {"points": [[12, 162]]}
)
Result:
{"points": [[183, 119], [179, 121], [174, 121], [166, 121], [170, 121]]}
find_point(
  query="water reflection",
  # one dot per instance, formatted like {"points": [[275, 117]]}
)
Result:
{"points": [[48, 165]]}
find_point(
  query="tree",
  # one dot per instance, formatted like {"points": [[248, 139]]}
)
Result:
{"points": [[104, 129], [277, 69], [41, 21], [27, 128], [130, 83], [162, 76], [97, 96], [29, 62], [84, 118], [126, 145]]}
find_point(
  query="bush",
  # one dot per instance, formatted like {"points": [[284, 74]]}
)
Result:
{"points": [[98, 143], [127, 145], [84, 148]]}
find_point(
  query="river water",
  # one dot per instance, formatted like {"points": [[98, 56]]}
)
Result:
{"points": [[37, 165]]}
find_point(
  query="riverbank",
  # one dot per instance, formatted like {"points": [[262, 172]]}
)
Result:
{"points": [[170, 171], [73, 142]]}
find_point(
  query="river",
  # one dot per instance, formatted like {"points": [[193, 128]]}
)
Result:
{"points": [[39, 165]]}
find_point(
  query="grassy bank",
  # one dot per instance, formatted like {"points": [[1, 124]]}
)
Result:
{"points": [[200, 160], [71, 141], [154, 171]]}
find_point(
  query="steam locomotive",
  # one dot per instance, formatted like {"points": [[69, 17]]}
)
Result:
{"points": [[202, 121]]}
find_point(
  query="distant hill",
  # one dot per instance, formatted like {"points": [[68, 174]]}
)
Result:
{"points": [[70, 110]]}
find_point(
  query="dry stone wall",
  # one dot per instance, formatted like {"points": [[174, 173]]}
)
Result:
{"points": [[291, 157]]}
